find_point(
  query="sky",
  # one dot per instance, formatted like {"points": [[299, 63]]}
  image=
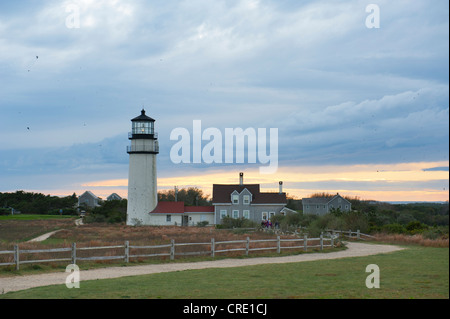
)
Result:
{"points": [[360, 99]]}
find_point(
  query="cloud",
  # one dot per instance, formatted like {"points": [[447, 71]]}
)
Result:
{"points": [[434, 169], [339, 93]]}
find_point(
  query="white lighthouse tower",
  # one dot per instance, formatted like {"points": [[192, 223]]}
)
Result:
{"points": [[142, 192]]}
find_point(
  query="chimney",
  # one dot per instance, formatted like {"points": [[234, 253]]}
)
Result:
{"points": [[176, 193], [241, 178], [281, 186]]}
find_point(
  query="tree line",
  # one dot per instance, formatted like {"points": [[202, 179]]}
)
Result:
{"points": [[37, 203]]}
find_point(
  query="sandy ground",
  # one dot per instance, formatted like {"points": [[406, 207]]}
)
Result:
{"points": [[25, 282]]}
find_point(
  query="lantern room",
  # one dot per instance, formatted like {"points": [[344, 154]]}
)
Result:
{"points": [[142, 126]]}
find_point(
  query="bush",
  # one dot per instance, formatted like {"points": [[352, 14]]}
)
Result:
{"points": [[393, 229], [228, 222], [415, 227], [202, 224]]}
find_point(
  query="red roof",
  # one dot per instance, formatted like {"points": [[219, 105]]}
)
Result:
{"points": [[199, 209], [179, 208], [169, 208]]}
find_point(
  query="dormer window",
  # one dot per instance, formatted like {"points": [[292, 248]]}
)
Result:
{"points": [[246, 199], [235, 199]]}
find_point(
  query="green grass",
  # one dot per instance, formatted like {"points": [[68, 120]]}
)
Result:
{"points": [[34, 217], [416, 272]]}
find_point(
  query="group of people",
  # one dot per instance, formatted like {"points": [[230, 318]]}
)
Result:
{"points": [[268, 224]]}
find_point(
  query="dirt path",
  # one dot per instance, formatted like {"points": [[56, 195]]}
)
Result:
{"points": [[26, 282], [78, 222], [43, 237]]}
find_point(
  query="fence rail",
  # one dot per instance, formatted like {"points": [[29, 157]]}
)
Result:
{"points": [[211, 248], [357, 234]]}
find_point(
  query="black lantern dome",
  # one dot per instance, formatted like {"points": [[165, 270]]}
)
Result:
{"points": [[143, 126]]}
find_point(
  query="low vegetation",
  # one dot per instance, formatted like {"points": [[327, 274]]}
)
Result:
{"points": [[331, 279]]}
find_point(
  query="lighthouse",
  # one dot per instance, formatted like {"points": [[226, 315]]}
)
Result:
{"points": [[142, 191]]}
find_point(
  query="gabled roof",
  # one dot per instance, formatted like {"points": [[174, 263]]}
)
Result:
{"points": [[114, 195], [222, 194], [179, 208], [320, 200], [89, 193]]}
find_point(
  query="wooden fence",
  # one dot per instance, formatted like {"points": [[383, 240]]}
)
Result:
{"points": [[170, 250], [350, 234]]}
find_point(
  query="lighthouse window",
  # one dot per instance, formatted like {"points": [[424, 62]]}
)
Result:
{"points": [[143, 127], [168, 218]]}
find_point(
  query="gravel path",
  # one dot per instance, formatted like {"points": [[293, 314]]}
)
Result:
{"points": [[26, 282]]}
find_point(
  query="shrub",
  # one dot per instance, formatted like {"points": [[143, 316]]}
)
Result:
{"points": [[228, 222], [415, 227], [202, 224], [393, 229]]}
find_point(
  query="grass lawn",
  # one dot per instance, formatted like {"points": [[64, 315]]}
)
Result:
{"points": [[34, 217], [416, 272]]}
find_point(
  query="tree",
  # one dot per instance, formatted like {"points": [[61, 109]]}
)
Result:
{"points": [[191, 196]]}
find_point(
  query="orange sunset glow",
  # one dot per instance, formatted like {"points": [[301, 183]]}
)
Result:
{"points": [[406, 173]]}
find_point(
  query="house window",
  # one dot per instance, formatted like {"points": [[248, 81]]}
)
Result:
{"points": [[235, 199], [307, 206], [246, 214], [271, 214], [346, 206], [168, 218], [223, 213], [235, 213], [264, 215], [246, 199]]}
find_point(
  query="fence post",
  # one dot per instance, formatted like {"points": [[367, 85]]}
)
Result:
{"points": [[305, 242], [16, 256], [127, 251], [332, 240], [358, 234], [321, 241], [74, 253], [247, 246], [350, 234], [172, 249], [213, 247], [278, 244]]}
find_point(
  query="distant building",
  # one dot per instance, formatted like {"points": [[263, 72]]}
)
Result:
{"points": [[323, 205], [88, 199], [113, 196], [232, 200], [176, 213], [246, 201]]}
